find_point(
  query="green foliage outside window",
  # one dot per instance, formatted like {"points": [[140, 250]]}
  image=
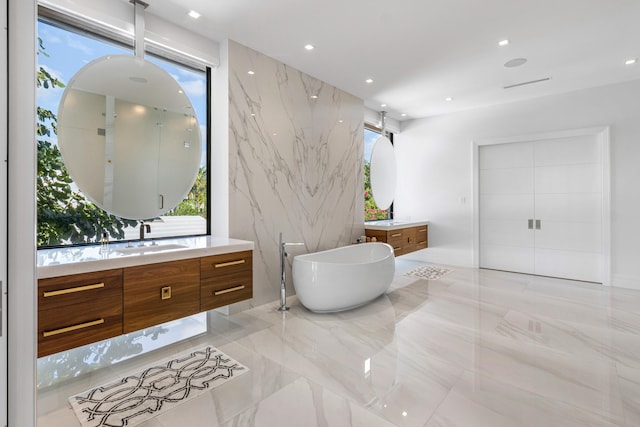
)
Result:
{"points": [[196, 202]]}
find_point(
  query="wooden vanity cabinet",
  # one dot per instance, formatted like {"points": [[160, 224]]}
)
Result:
{"points": [[403, 240], [78, 309], [225, 279], [158, 293]]}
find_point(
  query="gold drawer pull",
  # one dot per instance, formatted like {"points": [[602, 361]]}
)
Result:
{"points": [[73, 290], [230, 263], [226, 291], [423, 230], [396, 235], [423, 242], [165, 293], [397, 249], [72, 328]]}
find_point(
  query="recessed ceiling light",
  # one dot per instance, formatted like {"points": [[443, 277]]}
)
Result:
{"points": [[630, 61], [251, 73], [340, 121], [309, 47], [369, 81], [448, 98], [194, 14], [403, 115], [383, 105], [515, 62], [503, 42], [314, 96]]}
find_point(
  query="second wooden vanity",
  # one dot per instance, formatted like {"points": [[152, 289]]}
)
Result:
{"points": [[91, 304], [405, 237]]}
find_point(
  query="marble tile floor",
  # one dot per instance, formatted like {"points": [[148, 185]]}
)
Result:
{"points": [[474, 348]]}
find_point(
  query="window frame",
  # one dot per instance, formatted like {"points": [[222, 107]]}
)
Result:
{"points": [[108, 35]]}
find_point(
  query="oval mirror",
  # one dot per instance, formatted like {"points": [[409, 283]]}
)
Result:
{"points": [[129, 136], [383, 173]]}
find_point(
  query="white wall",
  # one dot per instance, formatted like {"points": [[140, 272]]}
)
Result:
{"points": [[3, 212], [435, 158], [21, 281], [219, 203]]}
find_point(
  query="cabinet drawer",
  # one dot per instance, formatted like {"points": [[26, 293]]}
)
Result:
{"points": [[63, 328], [218, 265], [399, 250], [422, 237], [220, 291], [396, 237], [78, 288], [158, 293]]}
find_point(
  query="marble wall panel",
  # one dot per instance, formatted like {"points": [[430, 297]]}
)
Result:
{"points": [[295, 163]]}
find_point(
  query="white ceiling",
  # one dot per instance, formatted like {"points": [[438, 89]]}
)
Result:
{"points": [[420, 52]]}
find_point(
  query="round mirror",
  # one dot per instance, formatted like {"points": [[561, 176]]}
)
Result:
{"points": [[383, 172], [129, 136]]}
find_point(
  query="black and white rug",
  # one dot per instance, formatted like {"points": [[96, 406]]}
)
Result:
{"points": [[429, 272], [136, 398]]}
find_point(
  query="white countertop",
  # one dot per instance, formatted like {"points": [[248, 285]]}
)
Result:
{"points": [[84, 259], [392, 224]]}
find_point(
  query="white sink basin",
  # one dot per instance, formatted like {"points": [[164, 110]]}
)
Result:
{"points": [[150, 248]]}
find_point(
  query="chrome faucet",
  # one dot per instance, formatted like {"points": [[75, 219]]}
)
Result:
{"points": [[283, 274], [144, 226]]}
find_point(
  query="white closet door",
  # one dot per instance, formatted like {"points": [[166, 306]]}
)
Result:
{"points": [[568, 204], [557, 183], [506, 205]]}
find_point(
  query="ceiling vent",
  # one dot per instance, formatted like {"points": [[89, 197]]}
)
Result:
{"points": [[527, 83]]}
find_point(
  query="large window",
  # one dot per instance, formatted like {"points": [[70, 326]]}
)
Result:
{"points": [[371, 211], [65, 215]]}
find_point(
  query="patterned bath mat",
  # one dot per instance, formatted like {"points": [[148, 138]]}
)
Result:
{"points": [[136, 398], [429, 272]]}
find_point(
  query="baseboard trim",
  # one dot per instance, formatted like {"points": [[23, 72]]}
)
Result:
{"points": [[628, 282]]}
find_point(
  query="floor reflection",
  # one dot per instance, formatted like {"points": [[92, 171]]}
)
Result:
{"points": [[67, 365], [474, 348]]}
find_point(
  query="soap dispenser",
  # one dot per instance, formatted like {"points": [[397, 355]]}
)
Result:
{"points": [[104, 242]]}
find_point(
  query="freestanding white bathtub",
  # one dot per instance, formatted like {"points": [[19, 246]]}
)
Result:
{"points": [[343, 278]]}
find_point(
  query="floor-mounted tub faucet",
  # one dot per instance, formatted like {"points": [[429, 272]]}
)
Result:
{"points": [[283, 276]]}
